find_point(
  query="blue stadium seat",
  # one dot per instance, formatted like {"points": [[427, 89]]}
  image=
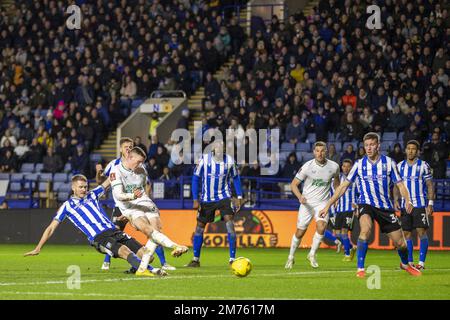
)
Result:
{"points": [[16, 176], [299, 156], [65, 187], [67, 167], [18, 204], [27, 167], [45, 177], [331, 137], [287, 146], [400, 136], [338, 146], [63, 196], [4, 176], [57, 185], [307, 156], [284, 155], [311, 137], [44, 113], [95, 157], [42, 186], [15, 186], [303, 146], [389, 136], [39, 167], [386, 145], [60, 177]]}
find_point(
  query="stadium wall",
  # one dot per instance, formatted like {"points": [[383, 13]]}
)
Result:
{"points": [[255, 228]]}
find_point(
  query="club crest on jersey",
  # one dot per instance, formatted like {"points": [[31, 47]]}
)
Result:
{"points": [[384, 166], [112, 176]]}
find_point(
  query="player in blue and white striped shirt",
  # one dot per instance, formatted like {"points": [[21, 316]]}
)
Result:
{"points": [[344, 211], [215, 171], [418, 180], [85, 212], [375, 173], [126, 144]]}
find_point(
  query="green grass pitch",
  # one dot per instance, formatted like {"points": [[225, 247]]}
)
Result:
{"points": [[45, 276]]}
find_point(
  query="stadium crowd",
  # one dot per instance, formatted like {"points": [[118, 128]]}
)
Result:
{"points": [[61, 91], [327, 73]]}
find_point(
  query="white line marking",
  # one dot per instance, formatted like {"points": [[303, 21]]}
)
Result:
{"points": [[284, 274], [134, 296]]}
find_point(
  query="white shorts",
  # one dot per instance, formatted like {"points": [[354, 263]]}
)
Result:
{"points": [[307, 211], [146, 208]]}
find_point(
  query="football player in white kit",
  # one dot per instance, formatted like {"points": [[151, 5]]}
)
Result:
{"points": [[317, 175], [128, 181]]}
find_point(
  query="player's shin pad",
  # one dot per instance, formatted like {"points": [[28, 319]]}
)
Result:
{"points": [[162, 239], [149, 250]]}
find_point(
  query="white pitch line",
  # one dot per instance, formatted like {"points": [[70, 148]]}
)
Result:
{"points": [[287, 273], [70, 294]]}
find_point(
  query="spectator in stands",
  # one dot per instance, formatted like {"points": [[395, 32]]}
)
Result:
{"points": [[183, 122], [80, 161], [154, 170], [36, 153], [351, 130], [291, 167], [8, 137], [6, 147], [52, 162], [138, 143], [436, 153], [349, 99], [332, 154], [361, 153], [64, 150], [21, 151], [87, 132], [397, 153], [295, 131], [8, 163], [349, 153], [127, 94], [398, 120]]}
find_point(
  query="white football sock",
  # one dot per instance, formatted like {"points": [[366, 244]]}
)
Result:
{"points": [[317, 239], [150, 248], [294, 245], [162, 239]]}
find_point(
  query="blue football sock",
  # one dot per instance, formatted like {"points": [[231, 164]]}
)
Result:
{"points": [[232, 243], [346, 243], [423, 248], [134, 261], [329, 235], [160, 253], [363, 245], [403, 253], [107, 258], [198, 242], [410, 246]]}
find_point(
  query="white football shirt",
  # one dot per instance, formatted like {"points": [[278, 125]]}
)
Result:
{"points": [[129, 180], [317, 179]]}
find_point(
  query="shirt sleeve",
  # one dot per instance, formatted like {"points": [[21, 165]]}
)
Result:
{"points": [[394, 175], [353, 172], [108, 168], [115, 177], [61, 213], [97, 192], [301, 174], [427, 174], [199, 168]]}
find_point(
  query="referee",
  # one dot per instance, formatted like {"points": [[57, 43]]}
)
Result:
{"points": [[215, 171]]}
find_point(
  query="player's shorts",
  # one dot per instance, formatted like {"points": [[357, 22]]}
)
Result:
{"points": [[387, 220], [207, 210], [417, 219], [331, 221], [344, 220], [307, 211], [145, 208], [110, 241]]}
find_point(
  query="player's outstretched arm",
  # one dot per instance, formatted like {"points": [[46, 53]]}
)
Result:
{"points": [[295, 189], [339, 192], [397, 198], [99, 176], [106, 184], [405, 195], [45, 236]]}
